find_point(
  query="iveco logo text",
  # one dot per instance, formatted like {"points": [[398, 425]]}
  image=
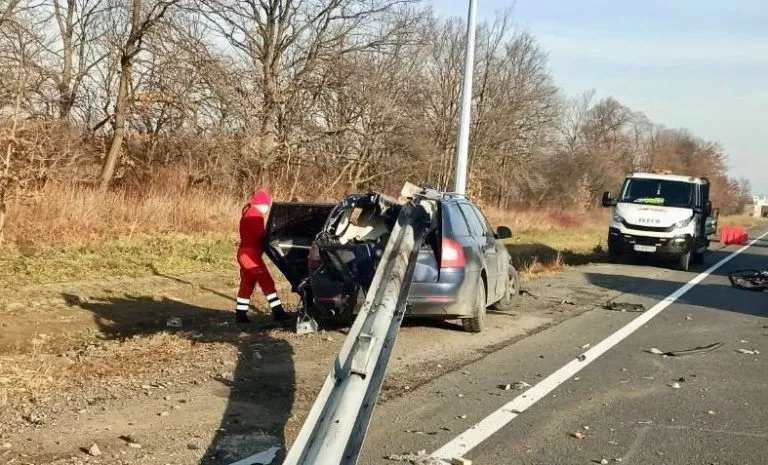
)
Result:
{"points": [[648, 221]]}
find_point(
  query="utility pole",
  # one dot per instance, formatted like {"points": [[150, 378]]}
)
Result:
{"points": [[462, 144]]}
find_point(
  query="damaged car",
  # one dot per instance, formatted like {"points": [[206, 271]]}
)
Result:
{"points": [[329, 253]]}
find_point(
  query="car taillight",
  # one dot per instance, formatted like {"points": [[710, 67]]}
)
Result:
{"points": [[451, 254], [313, 260]]}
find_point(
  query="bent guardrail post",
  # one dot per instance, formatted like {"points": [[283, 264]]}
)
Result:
{"points": [[335, 428]]}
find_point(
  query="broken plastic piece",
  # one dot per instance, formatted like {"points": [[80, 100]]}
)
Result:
{"points": [[624, 307], [305, 324], [749, 352], [684, 352], [749, 280]]}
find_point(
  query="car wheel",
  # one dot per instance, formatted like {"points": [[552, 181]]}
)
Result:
{"points": [[477, 323], [685, 261], [512, 290]]}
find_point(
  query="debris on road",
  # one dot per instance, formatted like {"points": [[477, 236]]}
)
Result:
{"points": [[417, 458], [711, 412], [131, 441], [689, 317], [685, 352], [582, 357], [675, 386], [624, 307], [748, 352], [416, 431], [586, 346], [578, 435], [94, 450], [517, 386], [461, 461], [749, 280]]}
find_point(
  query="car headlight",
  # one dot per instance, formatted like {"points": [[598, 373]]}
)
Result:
{"points": [[617, 218], [683, 223]]}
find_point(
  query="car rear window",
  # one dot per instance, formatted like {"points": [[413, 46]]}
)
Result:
{"points": [[483, 220], [453, 221], [475, 225]]}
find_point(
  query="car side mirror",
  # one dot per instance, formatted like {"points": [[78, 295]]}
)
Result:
{"points": [[607, 200], [503, 232]]}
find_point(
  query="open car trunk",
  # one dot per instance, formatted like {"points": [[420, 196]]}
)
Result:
{"points": [[347, 252], [329, 253], [290, 232]]}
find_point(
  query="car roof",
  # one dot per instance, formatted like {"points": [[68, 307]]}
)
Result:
{"points": [[668, 177]]}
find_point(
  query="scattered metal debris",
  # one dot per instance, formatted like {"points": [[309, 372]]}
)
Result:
{"points": [[748, 352], [685, 352], [624, 307], [675, 386], [749, 280], [578, 435], [518, 386]]}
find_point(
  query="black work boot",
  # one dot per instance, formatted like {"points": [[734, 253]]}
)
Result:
{"points": [[241, 317], [280, 315]]}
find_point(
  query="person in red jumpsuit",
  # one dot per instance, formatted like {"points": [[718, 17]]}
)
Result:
{"points": [[253, 270]]}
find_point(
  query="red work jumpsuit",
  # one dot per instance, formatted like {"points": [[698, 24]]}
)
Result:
{"points": [[249, 255]]}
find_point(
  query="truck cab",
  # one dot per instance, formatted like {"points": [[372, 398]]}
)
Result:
{"points": [[665, 215]]}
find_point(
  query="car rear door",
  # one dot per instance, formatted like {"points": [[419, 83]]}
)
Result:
{"points": [[486, 246], [290, 231]]}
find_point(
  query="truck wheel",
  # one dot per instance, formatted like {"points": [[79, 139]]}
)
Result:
{"points": [[512, 290], [685, 261], [477, 323]]}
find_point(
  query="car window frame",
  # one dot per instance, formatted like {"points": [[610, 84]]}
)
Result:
{"points": [[466, 205]]}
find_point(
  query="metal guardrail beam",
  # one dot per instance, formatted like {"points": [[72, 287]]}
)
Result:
{"points": [[335, 428]]}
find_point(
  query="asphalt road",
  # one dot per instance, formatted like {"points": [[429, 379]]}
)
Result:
{"points": [[625, 402]]}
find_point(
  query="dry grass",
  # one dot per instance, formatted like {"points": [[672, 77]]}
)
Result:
{"points": [[69, 234], [58, 215]]}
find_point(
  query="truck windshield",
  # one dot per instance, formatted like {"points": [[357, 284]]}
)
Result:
{"points": [[658, 192]]}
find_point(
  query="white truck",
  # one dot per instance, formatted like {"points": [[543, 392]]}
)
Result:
{"points": [[661, 214]]}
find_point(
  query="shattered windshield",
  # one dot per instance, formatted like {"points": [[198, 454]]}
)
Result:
{"points": [[658, 192]]}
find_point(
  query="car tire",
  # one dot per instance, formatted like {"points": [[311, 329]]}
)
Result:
{"points": [[476, 323], [685, 261], [512, 290]]}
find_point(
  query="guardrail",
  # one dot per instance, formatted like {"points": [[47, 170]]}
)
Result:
{"points": [[335, 428]]}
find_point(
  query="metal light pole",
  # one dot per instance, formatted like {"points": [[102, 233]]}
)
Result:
{"points": [[462, 144]]}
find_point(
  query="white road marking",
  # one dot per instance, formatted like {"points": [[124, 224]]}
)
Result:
{"points": [[489, 425]]}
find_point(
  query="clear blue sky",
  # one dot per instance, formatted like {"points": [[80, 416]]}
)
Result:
{"points": [[699, 64]]}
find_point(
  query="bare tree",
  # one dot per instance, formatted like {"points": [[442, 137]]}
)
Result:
{"points": [[285, 43], [80, 27], [7, 8], [139, 24]]}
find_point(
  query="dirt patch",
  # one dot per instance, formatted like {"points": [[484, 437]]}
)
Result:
{"points": [[95, 362]]}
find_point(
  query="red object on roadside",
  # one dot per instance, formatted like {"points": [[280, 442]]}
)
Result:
{"points": [[733, 235], [253, 270]]}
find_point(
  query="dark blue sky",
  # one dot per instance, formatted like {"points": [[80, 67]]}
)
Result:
{"points": [[700, 64]]}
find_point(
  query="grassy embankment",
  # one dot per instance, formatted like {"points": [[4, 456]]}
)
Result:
{"points": [[82, 235]]}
